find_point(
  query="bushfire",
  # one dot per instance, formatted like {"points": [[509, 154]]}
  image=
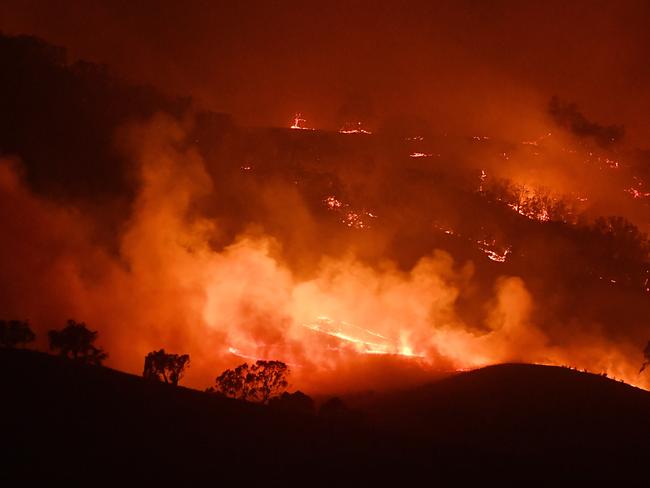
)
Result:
{"points": [[316, 263]]}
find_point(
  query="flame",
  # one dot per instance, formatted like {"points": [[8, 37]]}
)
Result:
{"points": [[333, 203], [542, 215], [362, 341], [353, 128], [357, 221], [487, 248], [298, 122], [351, 218], [482, 178], [175, 281], [636, 193], [538, 141]]}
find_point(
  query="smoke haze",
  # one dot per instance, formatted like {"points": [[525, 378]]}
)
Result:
{"points": [[464, 231]]}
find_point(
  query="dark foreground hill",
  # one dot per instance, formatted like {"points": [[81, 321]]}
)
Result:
{"points": [[62, 421]]}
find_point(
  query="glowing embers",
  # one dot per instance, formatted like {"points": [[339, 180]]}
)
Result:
{"points": [[440, 227], [636, 193], [482, 178], [538, 214], [603, 162], [352, 338], [531, 204], [493, 252], [299, 121], [356, 220], [350, 217], [536, 142], [353, 128], [333, 203], [420, 155]]}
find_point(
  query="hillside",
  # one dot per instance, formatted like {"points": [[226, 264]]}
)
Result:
{"points": [[393, 220], [64, 421], [516, 403]]}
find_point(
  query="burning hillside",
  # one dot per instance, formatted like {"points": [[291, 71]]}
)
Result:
{"points": [[345, 253]]}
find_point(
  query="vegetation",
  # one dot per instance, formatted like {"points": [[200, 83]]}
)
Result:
{"points": [[296, 402], [259, 382], [167, 367], [14, 333], [75, 341]]}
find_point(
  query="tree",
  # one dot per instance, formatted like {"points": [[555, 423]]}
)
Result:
{"points": [[259, 382], [167, 367], [14, 333], [646, 357], [75, 341], [296, 402]]}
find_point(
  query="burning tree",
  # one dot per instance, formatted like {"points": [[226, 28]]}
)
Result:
{"points": [[75, 341], [259, 382], [167, 367], [14, 333]]}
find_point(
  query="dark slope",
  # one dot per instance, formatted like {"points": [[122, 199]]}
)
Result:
{"points": [[516, 403], [542, 420], [64, 421]]}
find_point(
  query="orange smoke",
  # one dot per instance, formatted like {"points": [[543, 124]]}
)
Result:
{"points": [[346, 324]]}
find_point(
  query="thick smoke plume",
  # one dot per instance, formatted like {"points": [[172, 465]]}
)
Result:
{"points": [[178, 280]]}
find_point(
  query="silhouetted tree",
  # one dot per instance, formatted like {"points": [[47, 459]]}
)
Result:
{"points": [[75, 341], [646, 357], [167, 367], [235, 383], [14, 333], [258, 382], [296, 402]]}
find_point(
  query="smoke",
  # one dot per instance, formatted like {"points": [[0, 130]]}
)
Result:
{"points": [[178, 281], [465, 65], [567, 116]]}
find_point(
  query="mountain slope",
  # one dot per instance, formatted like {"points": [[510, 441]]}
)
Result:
{"points": [[64, 421]]}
